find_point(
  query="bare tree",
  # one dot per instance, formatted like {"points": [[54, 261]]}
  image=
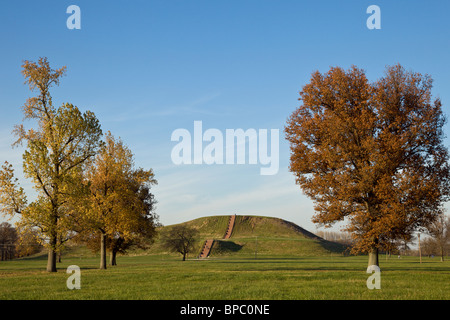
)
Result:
{"points": [[439, 230], [8, 238], [336, 236], [181, 239]]}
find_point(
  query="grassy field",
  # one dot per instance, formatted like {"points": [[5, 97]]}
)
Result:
{"points": [[166, 277]]}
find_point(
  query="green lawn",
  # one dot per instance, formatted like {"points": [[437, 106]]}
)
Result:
{"points": [[166, 277]]}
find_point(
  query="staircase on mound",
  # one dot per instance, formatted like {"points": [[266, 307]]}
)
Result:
{"points": [[206, 250], [230, 227]]}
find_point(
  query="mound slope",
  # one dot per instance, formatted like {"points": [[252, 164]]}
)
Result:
{"points": [[259, 235]]}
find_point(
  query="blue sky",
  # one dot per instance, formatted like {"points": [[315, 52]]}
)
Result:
{"points": [[147, 68]]}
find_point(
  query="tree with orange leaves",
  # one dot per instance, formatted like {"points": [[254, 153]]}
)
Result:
{"points": [[371, 154]]}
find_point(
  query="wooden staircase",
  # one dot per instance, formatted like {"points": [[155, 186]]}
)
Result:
{"points": [[230, 227], [206, 250]]}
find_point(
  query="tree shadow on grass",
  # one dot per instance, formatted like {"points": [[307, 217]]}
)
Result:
{"points": [[35, 257]]}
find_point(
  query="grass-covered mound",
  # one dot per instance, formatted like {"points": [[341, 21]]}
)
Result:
{"points": [[257, 235]]}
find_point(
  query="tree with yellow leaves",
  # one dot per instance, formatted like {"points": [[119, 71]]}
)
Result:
{"points": [[64, 141], [118, 205]]}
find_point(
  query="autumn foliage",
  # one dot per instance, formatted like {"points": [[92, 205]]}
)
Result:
{"points": [[61, 143], [370, 154], [82, 183], [117, 206]]}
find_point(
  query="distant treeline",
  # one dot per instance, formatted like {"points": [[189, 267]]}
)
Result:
{"points": [[335, 236], [15, 244]]}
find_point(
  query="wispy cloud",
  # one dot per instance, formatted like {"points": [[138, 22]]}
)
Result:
{"points": [[189, 108]]}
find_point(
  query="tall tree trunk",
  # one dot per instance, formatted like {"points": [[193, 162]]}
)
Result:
{"points": [[373, 257], [51, 260], [420, 250], [113, 257], [103, 250], [373, 253]]}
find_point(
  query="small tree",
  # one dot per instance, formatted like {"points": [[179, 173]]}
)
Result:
{"points": [[143, 230], [8, 239], [181, 239], [439, 230], [118, 204]]}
